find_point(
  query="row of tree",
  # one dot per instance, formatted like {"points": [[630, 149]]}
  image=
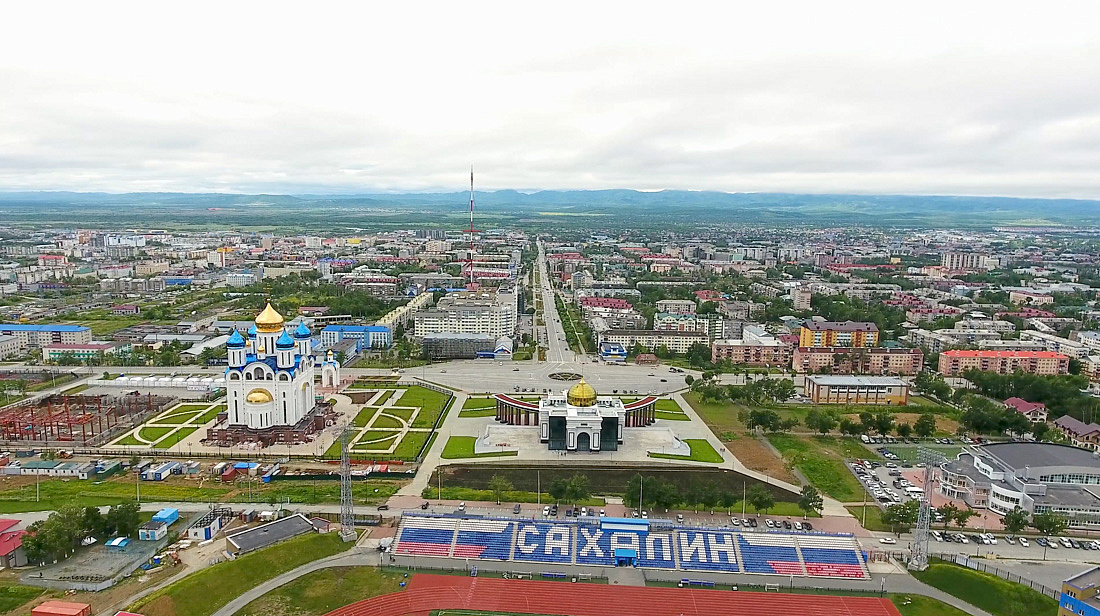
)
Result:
{"points": [[644, 491], [58, 536], [905, 515]]}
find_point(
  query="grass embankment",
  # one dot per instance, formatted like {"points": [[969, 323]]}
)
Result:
{"points": [[919, 605], [56, 492], [988, 592], [13, 596], [509, 496], [701, 451], [873, 519], [322, 591], [463, 447], [204, 592], [821, 460]]}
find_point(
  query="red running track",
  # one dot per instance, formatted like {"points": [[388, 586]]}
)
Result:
{"points": [[448, 592]]}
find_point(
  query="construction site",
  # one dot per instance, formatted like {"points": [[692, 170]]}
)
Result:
{"points": [[77, 420]]}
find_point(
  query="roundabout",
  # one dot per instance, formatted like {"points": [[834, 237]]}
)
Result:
{"points": [[565, 376]]}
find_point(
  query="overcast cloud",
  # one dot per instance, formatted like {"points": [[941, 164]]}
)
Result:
{"points": [[993, 98]]}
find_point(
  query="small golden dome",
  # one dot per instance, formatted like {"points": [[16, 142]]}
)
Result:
{"points": [[269, 321], [258, 396], [581, 394]]}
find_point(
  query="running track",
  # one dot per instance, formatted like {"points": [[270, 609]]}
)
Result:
{"points": [[449, 592]]}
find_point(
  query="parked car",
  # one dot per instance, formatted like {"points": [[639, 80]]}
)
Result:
{"points": [[516, 508], [1024, 542], [807, 526], [888, 540]]}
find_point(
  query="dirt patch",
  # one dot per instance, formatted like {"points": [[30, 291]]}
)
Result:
{"points": [[756, 455], [943, 423]]}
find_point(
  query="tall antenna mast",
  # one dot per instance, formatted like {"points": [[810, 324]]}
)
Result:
{"points": [[471, 231]]}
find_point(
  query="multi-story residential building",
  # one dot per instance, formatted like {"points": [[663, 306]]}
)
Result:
{"points": [[857, 390], [838, 334], [675, 322], [1050, 342], [471, 312], [240, 279], [963, 261], [955, 362], [800, 297], [9, 346], [38, 336], [755, 347], [676, 306], [150, 268], [739, 310], [1010, 345], [920, 315], [1089, 339], [1028, 298], [1001, 327], [368, 336], [1079, 594], [155, 284], [675, 342], [843, 360]]}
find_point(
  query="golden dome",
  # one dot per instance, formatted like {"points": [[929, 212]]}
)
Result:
{"points": [[269, 321], [581, 394], [258, 396]]}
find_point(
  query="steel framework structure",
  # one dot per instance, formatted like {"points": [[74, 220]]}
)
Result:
{"points": [[919, 558], [347, 504]]}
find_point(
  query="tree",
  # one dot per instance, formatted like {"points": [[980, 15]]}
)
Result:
{"points": [[1040, 430], [499, 484], [123, 519], [821, 421], [948, 511], [963, 516], [1015, 521], [904, 430], [849, 427], [884, 422], [559, 489], [925, 426], [577, 488], [810, 500], [896, 516], [93, 523], [760, 498], [688, 379], [1049, 524]]}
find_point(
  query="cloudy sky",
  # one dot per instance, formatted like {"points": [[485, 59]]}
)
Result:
{"points": [[994, 98]]}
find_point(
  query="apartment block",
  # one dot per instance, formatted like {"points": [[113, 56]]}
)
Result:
{"points": [[954, 363], [838, 334], [840, 360]]}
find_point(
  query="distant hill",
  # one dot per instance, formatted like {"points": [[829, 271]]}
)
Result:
{"points": [[625, 207]]}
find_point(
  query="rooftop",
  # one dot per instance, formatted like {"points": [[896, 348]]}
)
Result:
{"points": [[23, 327], [856, 380], [1085, 579], [840, 326], [1005, 354], [1019, 455], [270, 533]]}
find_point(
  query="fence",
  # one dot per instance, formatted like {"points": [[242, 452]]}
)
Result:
{"points": [[985, 567]]}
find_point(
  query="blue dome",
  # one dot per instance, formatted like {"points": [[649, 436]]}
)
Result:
{"points": [[302, 331], [284, 342], [252, 332], [236, 341]]}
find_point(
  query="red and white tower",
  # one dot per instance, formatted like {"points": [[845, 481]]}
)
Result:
{"points": [[469, 273]]}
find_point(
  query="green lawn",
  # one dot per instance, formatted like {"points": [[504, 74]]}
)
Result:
{"points": [[175, 418], [15, 595], [374, 435], [874, 517], [129, 439], [821, 459], [188, 407], [430, 402], [322, 591], [479, 403], [382, 445], [364, 416], [153, 433], [463, 447], [205, 591], [509, 496], [386, 393], [919, 605], [211, 415], [385, 421], [908, 453], [721, 417], [410, 445], [672, 416], [990, 593], [405, 414], [489, 412], [668, 404], [72, 391], [175, 437], [701, 451]]}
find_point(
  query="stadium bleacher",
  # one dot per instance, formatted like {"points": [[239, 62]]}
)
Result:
{"points": [[657, 547]]}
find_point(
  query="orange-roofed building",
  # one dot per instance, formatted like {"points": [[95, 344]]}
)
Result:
{"points": [[61, 608], [954, 363]]}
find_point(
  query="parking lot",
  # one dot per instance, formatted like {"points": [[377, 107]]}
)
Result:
{"points": [[884, 482]]}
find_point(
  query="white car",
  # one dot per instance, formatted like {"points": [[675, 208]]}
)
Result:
{"points": [[961, 538], [645, 515], [546, 510], [1024, 542], [888, 540]]}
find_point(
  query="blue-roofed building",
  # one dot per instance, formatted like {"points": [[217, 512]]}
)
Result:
{"points": [[38, 336], [367, 336]]}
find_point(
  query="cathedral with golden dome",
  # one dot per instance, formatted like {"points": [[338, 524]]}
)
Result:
{"points": [[579, 420], [270, 389]]}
